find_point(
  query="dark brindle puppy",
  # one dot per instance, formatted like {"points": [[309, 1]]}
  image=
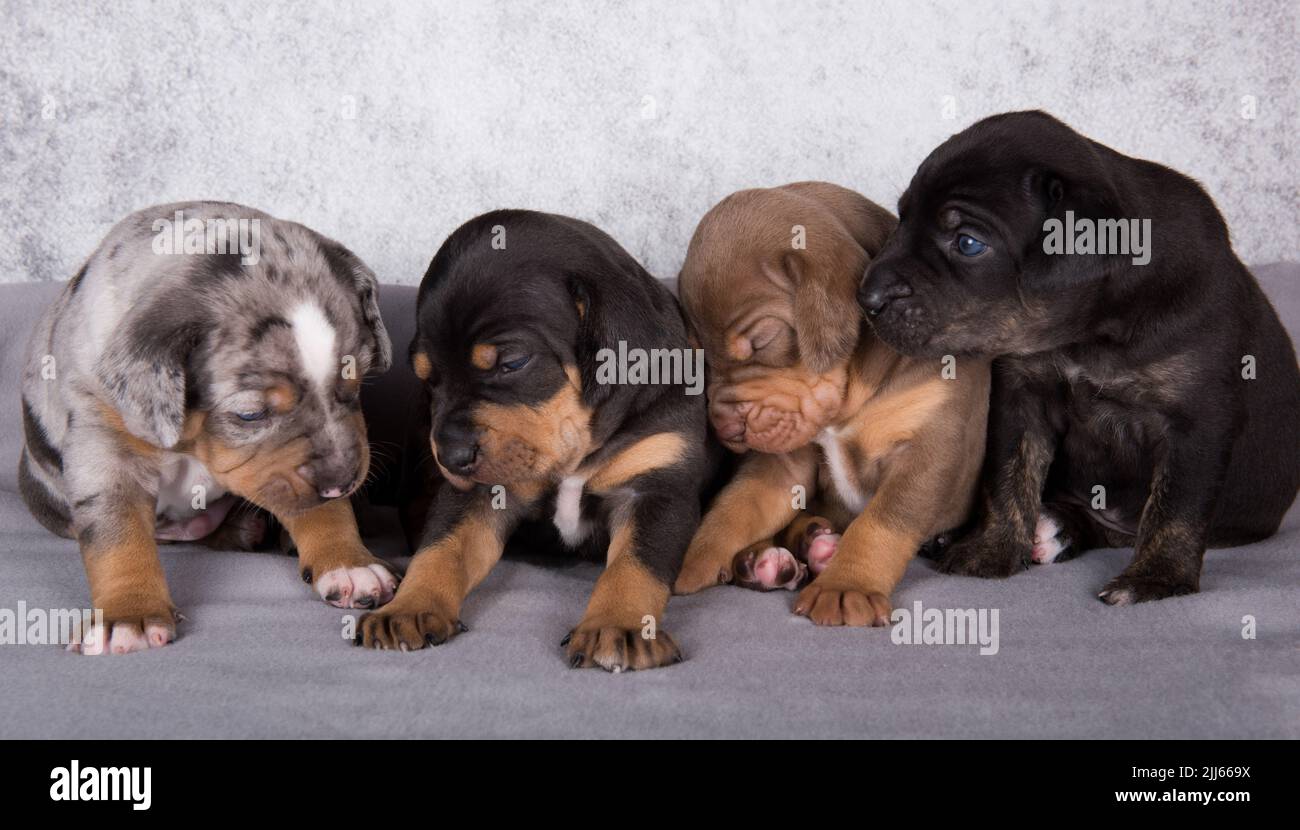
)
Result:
{"points": [[163, 386], [511, 318], [1154, 405]]}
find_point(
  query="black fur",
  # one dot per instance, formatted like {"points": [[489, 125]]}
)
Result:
{"points": [[560, 290], [1108, 373]]}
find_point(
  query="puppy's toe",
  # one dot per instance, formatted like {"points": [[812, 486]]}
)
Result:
{"points": [[618, 649], [370, 586], [826, 603], [398, 631], [125, 636]]}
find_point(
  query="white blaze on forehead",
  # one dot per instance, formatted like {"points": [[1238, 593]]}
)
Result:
{"points": [[315, 338]]}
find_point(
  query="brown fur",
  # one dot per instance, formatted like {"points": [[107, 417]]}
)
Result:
{"points": [[614, 630], [524, 443], [909, 441], [427, 608], [483, 356], [124, 572], [653, 452], [327, 538], [421, 365]]}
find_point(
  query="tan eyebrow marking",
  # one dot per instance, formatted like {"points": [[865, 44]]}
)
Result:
{"points": [[422, 365], [483, 356]]}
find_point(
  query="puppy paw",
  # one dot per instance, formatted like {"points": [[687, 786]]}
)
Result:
{"points": [[1049, 541], [768, 569], [818, 546], [407, 631], [124, 636], [1127, 590], [826, 601], [367, 586], [985, 555], [615, 648]]}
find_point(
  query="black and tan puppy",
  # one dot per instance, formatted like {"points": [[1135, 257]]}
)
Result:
{"points": [[1145, 392], [885, 446], [206, 352], [515, 318]]}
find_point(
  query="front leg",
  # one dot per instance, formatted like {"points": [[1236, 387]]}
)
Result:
{"points": [[872, 554], [113, 520], [754, 505], [620, 630], [126, 580], [1174, 529], [463, 540], [1020, 448], [333, 559]]}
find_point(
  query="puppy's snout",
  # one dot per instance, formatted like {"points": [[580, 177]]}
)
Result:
{"points": [[458, 448], [728, 420], [332, 480], [879, 288]]}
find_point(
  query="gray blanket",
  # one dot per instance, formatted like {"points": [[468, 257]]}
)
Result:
{"points": [[261, 657]]}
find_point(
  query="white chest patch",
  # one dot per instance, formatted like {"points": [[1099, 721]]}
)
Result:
{"points": [[845, 481], [178, 477], [315, 338], [568, 511]]}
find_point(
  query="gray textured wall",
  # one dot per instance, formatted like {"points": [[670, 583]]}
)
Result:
{"points": [[387, 124]]}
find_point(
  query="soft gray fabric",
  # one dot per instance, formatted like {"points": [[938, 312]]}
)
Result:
{"points": [[261, 657]]}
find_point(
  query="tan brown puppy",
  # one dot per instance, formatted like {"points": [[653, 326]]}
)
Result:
{"points": [[797, 377]]}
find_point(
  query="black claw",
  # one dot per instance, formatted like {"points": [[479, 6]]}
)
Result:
{"points": [[306, 575], [567, 638], [356, 641], [576, 661], [364, 602], [461, 627], [677, 658], [332, 596], [434, 639]]}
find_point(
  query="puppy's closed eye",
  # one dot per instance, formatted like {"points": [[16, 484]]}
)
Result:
{"points": [[769, 341], [514, 363]]}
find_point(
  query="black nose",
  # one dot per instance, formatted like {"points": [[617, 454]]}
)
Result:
{"points": [[878, 290], [458, 448]]}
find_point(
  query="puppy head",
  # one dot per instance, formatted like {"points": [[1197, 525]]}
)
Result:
{"points": [[510, 315], [256, 369], [768, 286], [966, 271]]}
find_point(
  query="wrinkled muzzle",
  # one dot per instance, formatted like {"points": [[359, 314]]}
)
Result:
{"points": [[774, 413]]}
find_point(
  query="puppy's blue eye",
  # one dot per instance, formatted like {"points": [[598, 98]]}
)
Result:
{"points": [[515, 364], [970, 246], [252, 416]]}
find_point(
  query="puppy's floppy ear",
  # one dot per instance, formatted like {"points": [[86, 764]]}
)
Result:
{"points": [[1087, 195], [595, 332], [145, 366], [827, 320], [827, 272], [351, 271], [867, 222]]}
